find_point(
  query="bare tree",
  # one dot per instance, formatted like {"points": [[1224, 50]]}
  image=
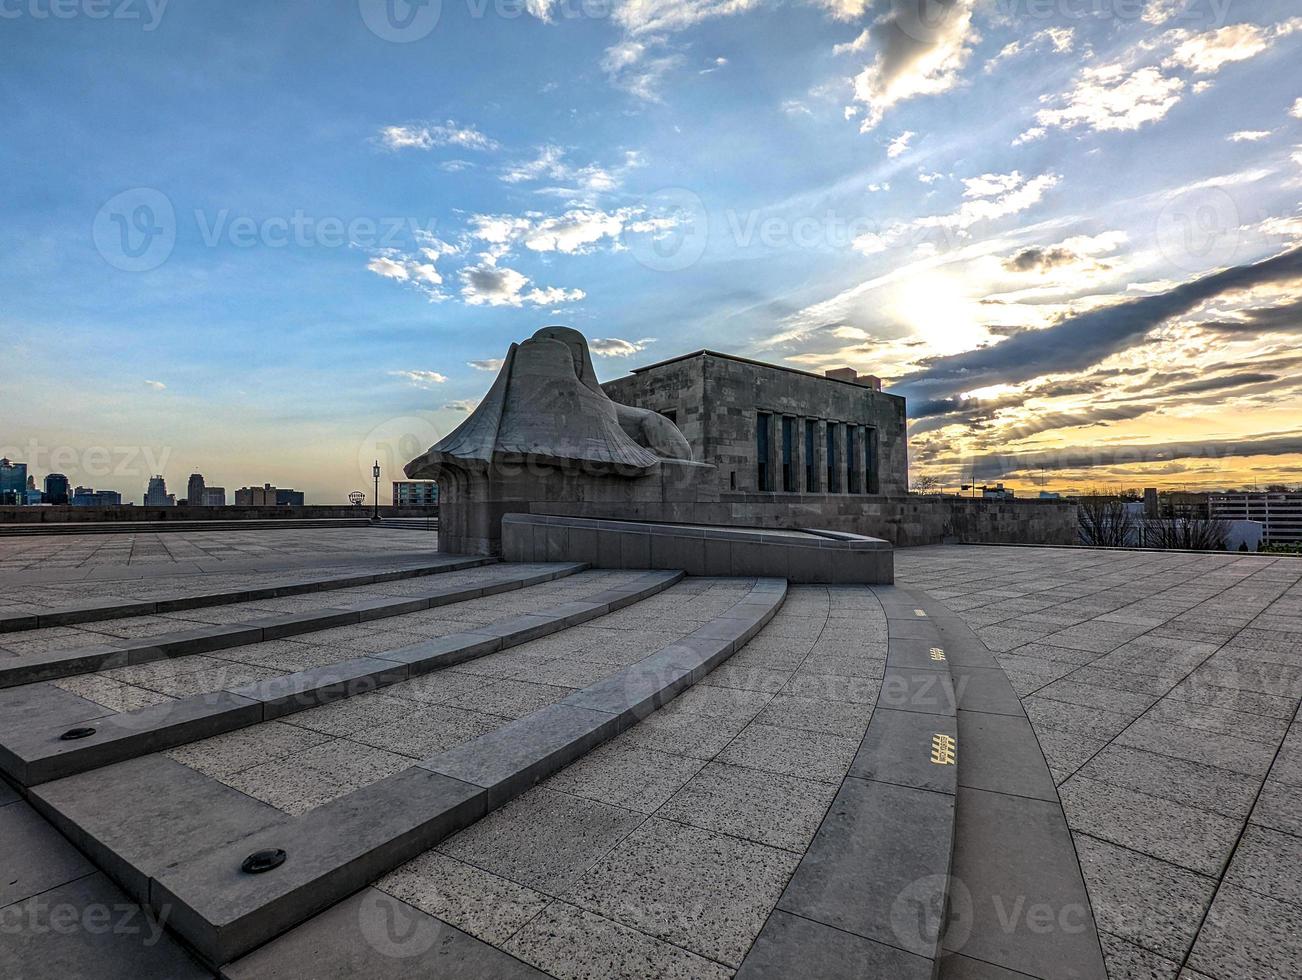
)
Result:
{"points": [[1187, 534], [1104, 521], [927, 484]]}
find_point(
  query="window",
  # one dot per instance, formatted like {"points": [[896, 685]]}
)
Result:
{"points": [[671, 415], [763, 422], [852, 457], [788, 454], [833, 432], [870, 454], [811, 475]]}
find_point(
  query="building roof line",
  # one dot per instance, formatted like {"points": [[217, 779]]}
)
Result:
{"points": [[705, 352]]}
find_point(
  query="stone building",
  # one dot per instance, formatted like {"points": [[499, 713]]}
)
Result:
{"points": [[772, 429]]}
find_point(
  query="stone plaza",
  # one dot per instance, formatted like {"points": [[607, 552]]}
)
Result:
{"points": [[479, 768]]}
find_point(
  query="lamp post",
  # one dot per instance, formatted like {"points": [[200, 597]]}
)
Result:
{"points": [[375, 513]]}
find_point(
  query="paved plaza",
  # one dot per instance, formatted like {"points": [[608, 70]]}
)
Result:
{"points": [[449, 768]]}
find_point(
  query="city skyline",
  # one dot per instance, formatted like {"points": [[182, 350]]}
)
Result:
{"points": [[1103, 269]]}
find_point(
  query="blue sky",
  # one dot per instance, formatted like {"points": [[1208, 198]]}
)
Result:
{"points": [[272, 241]]}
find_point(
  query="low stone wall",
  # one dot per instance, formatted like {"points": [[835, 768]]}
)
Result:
{"points": [[61, 514], [912, 519]]}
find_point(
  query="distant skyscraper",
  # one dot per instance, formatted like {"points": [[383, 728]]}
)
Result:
{"points": [[289, 498], [56, 489], [157, 495], [194, 490], [13, 482], [86, 497]]}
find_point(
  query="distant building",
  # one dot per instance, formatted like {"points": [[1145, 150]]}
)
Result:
{"points": [[1280, 514], [268, 496], [263, 496], [214, 496], [1150, 502], [156, 495], [998, 492], [194, 490], [87, 497], [56, 489], [13, 482], [415, 493], [1050, 495]]}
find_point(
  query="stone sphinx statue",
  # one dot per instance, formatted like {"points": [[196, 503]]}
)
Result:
{"points": [[547, 432]]}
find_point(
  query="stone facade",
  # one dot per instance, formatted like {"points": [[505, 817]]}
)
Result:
{"points": [[771, 429]]}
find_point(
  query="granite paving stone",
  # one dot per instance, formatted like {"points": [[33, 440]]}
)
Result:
{"points": [[1248, 937], [623, 774], [789, 751]]}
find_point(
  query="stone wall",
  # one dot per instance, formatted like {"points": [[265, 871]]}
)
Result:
{"points": [[66, 514], [903, 520]]}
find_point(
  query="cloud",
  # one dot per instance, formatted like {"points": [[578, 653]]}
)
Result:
{"points": [[420, 379], [466, 405], [615, 347], [638, 17], [488, 284], [1158, 12], [1111, 98], [1087, 338], [992, 196], [1296, 111], [415, 269], [577, 231], [899, 144], [1079, 251], [1207, 53], [550, 164], [487, 364], [1249, 135], [156, 385], [920, 47], [1285, 318], [428, 136], [1061, 39], [714, 65], [630, 65], [1085, 457]]}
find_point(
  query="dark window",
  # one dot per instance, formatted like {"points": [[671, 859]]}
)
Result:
{"points": [[763, 422], [833, 484], [671, 415], [870, 450], [788, 453], [811, 476], [852, 456]]}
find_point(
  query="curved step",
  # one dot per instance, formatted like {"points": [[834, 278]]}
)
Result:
{"points": [[870, 893], [1018, 900], [337, 848], [93, 610], [88, 659], [38, 753]]}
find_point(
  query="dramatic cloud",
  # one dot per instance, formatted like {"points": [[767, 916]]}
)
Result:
{"points": [[1079, 251], [427, 136], [421, 379], [1084, 457], [1087, 338], [920, 47], [615, 347], [1286, 318]]}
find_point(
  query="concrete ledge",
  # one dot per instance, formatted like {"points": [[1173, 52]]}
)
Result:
{"points": [[796, 556], [68, 663], [341, 847], [36, 753], [92, 610]]}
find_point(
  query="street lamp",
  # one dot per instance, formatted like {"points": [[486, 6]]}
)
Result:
{"points": [[375, 472]]}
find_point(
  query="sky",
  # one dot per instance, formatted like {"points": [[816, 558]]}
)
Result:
{"points": [[272, 242]]}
